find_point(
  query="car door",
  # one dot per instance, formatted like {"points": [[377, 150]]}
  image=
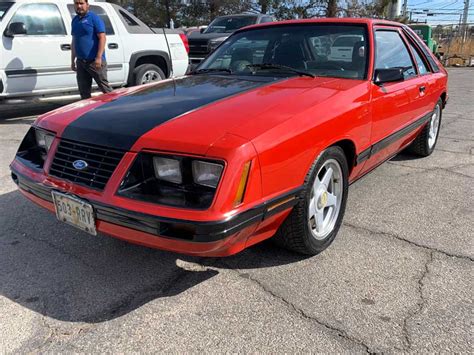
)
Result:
{"points": [[113, 49], [37, 61], [395, 105]]}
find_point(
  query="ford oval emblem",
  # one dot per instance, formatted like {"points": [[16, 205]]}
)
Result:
{"points": [[79, 164]]}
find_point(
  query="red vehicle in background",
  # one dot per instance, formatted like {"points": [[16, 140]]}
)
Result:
{"points": [[261, 140]]}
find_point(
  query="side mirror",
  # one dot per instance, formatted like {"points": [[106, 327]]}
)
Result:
{"points": [[15, 28], [388, 75], [202, 30]]}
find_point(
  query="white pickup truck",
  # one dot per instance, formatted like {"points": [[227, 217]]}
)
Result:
{"points": [[35, 55]]}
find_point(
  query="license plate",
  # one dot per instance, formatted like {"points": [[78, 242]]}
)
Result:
{"points": [[74, 211]]}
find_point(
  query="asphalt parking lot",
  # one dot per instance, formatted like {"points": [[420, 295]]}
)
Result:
{"points": [[398, 278]]}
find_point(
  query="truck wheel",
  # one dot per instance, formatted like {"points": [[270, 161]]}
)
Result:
{"points": [[147, 73], [315, 220]]}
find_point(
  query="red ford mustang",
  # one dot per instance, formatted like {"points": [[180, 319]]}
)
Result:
{"points": [[261, 140]]}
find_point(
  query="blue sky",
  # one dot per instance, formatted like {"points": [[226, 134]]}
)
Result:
{"points": [[450, 10]]}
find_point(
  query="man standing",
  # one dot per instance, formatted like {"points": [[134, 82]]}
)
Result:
{"points": [[88, 50]]}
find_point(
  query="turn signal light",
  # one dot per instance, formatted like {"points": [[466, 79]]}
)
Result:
{"points": [[239, 197]]}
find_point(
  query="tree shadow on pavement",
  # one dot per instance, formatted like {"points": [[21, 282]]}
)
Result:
{"points": [[63, 273]]}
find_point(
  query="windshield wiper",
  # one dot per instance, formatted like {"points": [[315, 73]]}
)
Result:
{"points": [[281, 67], [211, 70]]}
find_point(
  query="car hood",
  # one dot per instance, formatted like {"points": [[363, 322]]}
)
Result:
{"points": [[190, 113]]}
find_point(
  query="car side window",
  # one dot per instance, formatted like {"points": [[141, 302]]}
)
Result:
{"points": [[109, 30], [391, 52], [420, 63], [40, 20]]}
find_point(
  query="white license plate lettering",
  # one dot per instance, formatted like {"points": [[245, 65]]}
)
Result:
{"points": [[74, 211]]}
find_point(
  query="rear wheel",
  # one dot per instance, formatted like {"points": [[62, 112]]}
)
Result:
{"points": [[315, 220], [425, 143], [147, 73]]}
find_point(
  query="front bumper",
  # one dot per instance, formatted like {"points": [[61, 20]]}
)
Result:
{"points": [[205, 238]]}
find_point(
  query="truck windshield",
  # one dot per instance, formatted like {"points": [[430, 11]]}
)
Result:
{"points": [[230, 24], [4, 6]]}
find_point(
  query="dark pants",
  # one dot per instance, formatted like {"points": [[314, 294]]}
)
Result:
{"points": [[86, 71]]}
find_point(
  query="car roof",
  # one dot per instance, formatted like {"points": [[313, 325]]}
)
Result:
{"points": [[345, 20]]}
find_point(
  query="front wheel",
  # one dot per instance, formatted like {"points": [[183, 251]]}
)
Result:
{"points": [[315, 220]]}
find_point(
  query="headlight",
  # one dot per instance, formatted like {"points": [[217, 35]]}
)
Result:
{"points": [[44, 139], [172, 180], [168, 169], [207, 174], [34, 148]]}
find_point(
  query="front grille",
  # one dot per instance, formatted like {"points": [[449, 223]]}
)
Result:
{"points": [[101, 163], [198, 47]]}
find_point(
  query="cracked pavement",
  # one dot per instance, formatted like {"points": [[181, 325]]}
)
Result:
{"points": [[398, 277]]}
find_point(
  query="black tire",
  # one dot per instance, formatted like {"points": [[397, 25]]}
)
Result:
{"points": [[295, 233], [421, 145], [143, 70]]}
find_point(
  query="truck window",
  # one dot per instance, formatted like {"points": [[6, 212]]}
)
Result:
{"points": [[109, 30], [40, 19], [128, 20], [4, 6], [266, 19]]}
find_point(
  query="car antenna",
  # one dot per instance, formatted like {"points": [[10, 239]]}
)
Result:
{"points": [[169, 50]]}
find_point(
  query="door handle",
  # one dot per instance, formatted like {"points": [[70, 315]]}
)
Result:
{"points": [[65, 47], [422, 88], [113, 45]]}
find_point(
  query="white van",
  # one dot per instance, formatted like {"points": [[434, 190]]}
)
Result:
{"points": [[35, 55]]}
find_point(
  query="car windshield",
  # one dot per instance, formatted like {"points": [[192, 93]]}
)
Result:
{"points": [[230, 24], [303, 47], [4, 6]]}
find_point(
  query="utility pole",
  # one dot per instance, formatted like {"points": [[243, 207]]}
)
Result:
{"points": [[464, 20], [405, 8]]}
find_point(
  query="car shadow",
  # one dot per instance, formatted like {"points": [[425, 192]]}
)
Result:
{"points": [[405, 156], [63, 273]]}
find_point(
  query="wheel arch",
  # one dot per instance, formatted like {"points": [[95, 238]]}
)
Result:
{"points": [[349, 148], [158, 58], [444, 98]]}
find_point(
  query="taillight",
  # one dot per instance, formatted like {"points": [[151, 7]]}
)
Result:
{"points": [[184, 38]]}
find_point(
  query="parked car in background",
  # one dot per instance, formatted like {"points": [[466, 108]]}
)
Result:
{"points": [[262, 140], [35, 56], [201, 43]]}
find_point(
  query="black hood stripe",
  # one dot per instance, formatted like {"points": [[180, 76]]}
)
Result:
{"points": [[120, 123]]}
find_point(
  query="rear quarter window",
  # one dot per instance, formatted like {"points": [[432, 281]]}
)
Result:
{"points": [[424, 49]]}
